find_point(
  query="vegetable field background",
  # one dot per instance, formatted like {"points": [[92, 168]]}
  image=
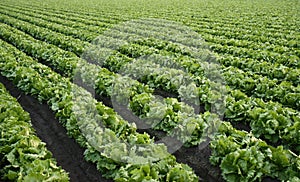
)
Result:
{"points": [[149, 90]]}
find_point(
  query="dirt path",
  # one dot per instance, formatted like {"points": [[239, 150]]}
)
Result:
{"points": [[69, 155], [65, 150], [196, 157]]}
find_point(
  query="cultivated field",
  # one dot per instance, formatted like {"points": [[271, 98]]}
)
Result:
{"points": [[136, 90]]}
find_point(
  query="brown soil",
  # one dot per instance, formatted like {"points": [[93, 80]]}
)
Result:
{"points": [[195, 157], [65, 150], [69, 155]]}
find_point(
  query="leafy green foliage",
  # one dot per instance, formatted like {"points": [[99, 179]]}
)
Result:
{"points": [[243, 165], [110, 142], [24, 157], [242, 157], [258, 48]]}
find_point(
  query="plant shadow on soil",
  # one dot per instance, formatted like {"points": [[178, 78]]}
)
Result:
{"points": [[69, 154]]}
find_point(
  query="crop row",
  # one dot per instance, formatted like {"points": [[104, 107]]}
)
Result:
{"points": [[174, 116], [71, 110], [24, 157], [278, 71], [72, 20], [137, 38], [160, 27], [70, 31], [63, 41], [277, 37], [205, 31], [196, 22], [127, 31], [252, 84], [97, 27], [249, 83], [251, 160], [111, 142], [232, 112], [239, 107], [52, 26], [220, 38], [272, 71], [108, 18], [248, 22], [242, 157], [290, 60], [223, 40]]}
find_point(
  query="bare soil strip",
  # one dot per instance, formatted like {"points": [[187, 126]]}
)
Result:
{"points": [[69, 154], [65, 150]]}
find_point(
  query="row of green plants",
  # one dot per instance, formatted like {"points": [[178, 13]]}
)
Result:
{"points": [[23, 156], [289, 76], [70, 31], [80, 23], [282, 162], [296, 54], [88, 18], [208, 32], [222, 26], [119, 152], [72, 112], [244, 22], [168, 114], [272, 133], [63, 41], [234, 112], [223, 40], [270, 41], [239, 107], [251, 84], [76, 19], [271, 70], [277, 71], [288, 60], [275, 36], [243, 157], [197, 96]]}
